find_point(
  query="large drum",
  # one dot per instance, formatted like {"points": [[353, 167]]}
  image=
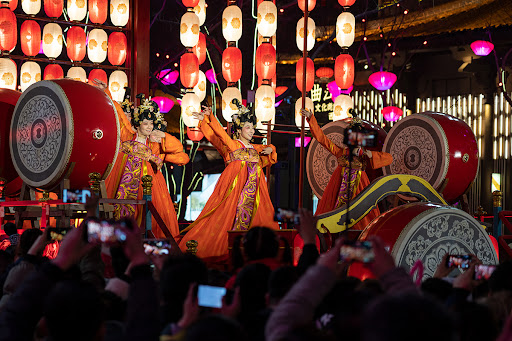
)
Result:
{"points": [[63, 129], [8, 99], [320, 163], [426, 232], [436, 147]]}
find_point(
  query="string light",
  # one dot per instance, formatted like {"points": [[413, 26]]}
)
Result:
{"points": [[167, 56], [406, 11], [393, 53], [158, 54], [425, 42]]}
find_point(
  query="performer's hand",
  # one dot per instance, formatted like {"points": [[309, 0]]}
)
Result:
{"points": [[266, 151], [100, 84], [358, 151], [305, 112], [207, 110], [156, 136]]}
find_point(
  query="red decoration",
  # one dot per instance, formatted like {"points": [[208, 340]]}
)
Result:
{"points": [[97, 74], [232, 64], [266, 61], [482, 47], [302, 5], [200, 49], [324, 72], [344, 71], [382, 80], [98, 10], [189, 70], [346, 3], [8, 31], [13, 4], [392, 114], [310, 74], [53, 8], [194, 134], [190, 3], [53, 71], [30, 37], [117, 47], [76, 43]]}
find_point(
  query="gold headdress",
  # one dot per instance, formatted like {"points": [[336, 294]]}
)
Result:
{"points": [[243, 115], [149, 110]]}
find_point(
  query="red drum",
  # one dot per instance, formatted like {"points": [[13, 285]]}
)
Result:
{"points": [[8, 99], [320, 163], [426, 232], [436, 147], [63, 129]]}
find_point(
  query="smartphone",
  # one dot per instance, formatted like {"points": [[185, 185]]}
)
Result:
{"points": [[460, 261], [156, 246], [78, 196], [365, 138], [359, 251], [104, 232], [57, 233], [484, 271], [287, 216], [209, 296]]}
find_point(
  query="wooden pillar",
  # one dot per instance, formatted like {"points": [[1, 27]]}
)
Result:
{"points": [[138, 59]]}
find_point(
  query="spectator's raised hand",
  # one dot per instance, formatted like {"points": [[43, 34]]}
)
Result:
{"points": [[73, 247], [330, 259], [466, 279], [233, 309], [442, 269], [190, 307], [383, 261], [307, 226], [132, 246], [40, 244]]}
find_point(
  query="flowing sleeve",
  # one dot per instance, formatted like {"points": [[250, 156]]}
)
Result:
{"points": [[269, 159], [172, 151], [124, 124], [380, 159], [224, 142], [208, 132], [319, 135]]}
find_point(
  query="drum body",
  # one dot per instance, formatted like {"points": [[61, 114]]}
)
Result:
{"points": [[436, 147], [63, 129], [8, 99], [426, 232], [320, 163]]}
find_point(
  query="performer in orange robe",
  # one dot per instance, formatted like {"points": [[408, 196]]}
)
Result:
{"points": [[240, 199], [341, 182]]}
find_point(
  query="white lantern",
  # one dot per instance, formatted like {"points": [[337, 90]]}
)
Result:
{"points": [[117, 83], [190, 103], [97, 46], [232, 23], [8, 74], [342, 105], [262, 39], [31, 7], [267, 18], [265, 99], [77, 9], [298, 117], [189, 29], [263, 126], [77, 73], [200, 87], [345, 29], [300, 34], [52, 40], [119, 12], [228, 108], [30, 73], [200, 11]]}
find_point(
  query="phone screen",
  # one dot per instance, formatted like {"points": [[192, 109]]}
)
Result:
{"points": [[484, 271], [360, 251], [287, 216], [156, 247], [104, 232], [460, 261], [209, 296], [78, 196]]}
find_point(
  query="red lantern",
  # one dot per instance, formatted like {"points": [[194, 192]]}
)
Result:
{"points": [[8, 29], [344, 71], [200, 49], [117, 47], [189, 70], [346, 3], [391, 114], [53, 71], [76, 43], [266, 61], [324, 72], [53, 8], [98, 10], [382, 80], [97, 74], [310, 74], [190, 3], [13, 4], [232, 64], [194, 134], [30, 37], [302, 5]]}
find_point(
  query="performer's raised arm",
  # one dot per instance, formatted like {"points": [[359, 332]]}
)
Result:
{"points": [[220, 139], [172, 151], [319, 135], [268, 155]]}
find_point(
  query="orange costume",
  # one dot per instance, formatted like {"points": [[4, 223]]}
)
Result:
{"points": [[240, 199], [336, 191], [136, 160]]}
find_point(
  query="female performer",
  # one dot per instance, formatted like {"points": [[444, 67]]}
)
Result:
{"points": [[342, 180], [240, 199]]}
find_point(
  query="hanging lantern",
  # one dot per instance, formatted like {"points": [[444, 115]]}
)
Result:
{"points": [[342, 105], [273, 82], [482, 47], [265, 99], [117, 47], [77, 10], [382, 80], [77, 73], [228, 108], [345, 29], [53, 71], [168, 77], [98, 11], [97, 74], [189, 70], [12, 4], [200, 88], [392, 114], [119, 12], [302, 5], [298, 117], [30, 73], [325, 72], [97, 46], [271, 40], [344, 71], [52, 40], [30, 37], [232, 23], [232, 64], [117, 84], [265, 61], [194, 134], [190, 103], [31, 7], [165, 104], [335, 90], [267, 19], [200, 11], [310, 74], [190, 3], [76, 43], [300, 34], [8, 74], [53, 8], [8, 29], [200, 49], [346, 3], [210, 75], [189, 29]]}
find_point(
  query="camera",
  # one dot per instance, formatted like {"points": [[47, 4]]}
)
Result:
{"points": [[78, 196], [460, 261], [359, 251], [360, 138]]}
